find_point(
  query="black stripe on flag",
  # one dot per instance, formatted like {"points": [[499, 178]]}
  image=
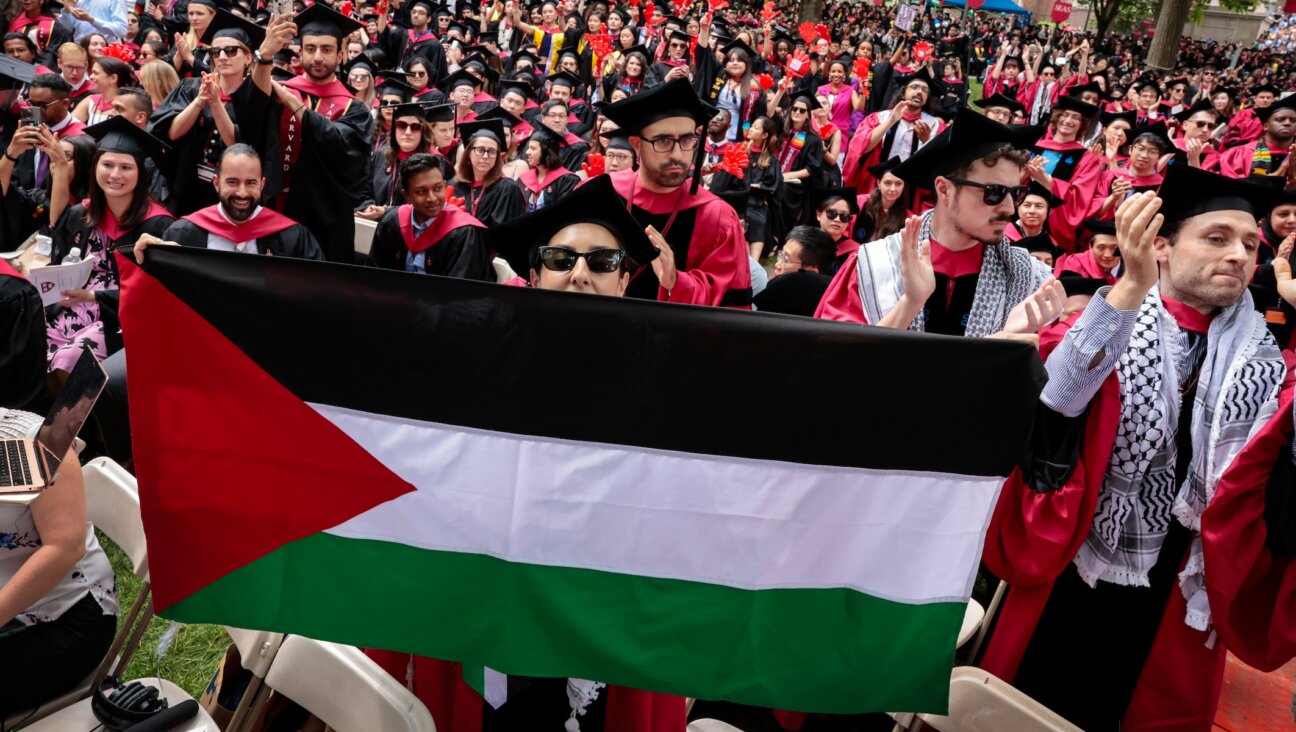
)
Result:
{"points": [[628, 372]]}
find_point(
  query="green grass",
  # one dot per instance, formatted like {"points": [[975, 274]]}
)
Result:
{"points": [[974, 90], [197, 649]]}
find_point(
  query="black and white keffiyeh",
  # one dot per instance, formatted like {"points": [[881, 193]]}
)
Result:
{"points": [[1237, 390], [1008, 276]]}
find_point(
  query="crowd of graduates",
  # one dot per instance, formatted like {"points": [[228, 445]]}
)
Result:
{"points": [[977, 177]]}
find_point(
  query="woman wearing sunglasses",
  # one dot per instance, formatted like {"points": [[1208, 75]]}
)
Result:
{"points": [[410, 134], [198, 119], [1064, 166]]}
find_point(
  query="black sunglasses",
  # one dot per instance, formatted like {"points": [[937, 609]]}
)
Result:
{"points": [[561, 259], [992, 194], [832, 215]]}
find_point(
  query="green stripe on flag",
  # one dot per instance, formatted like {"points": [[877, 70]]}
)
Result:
{"points": [[819, 650]]}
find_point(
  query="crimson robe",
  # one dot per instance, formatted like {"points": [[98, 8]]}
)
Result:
{"points": [[706, 236], [1079, 189], [1236, 162]]}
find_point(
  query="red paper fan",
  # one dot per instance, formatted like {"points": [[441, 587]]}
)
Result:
{"points": [[717, 5], [347, 8], [768, 12], [456, 200], [921, 51], [861, 69], [821, 31], [827, 131], [601, 43], [681, 7], [649, 10], [799, 64], [594, 165], [807, 31], [765, 80], [735, 161], [120, 51]]}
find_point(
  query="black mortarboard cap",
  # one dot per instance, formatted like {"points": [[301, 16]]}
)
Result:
{"points": [[213, 4], [738, 45], [1201, 105], [1100, 226], [1038, 243], [228, 25], [392, 84], [460, 78], [1146, 83], [618, 139], [1078, 89], [934, 86], [1077, 285], [456, 25], [361, 62], [971, 136], [1187, 191], [408, 109], [1075, 104], [118, 134], [1288, 102], [505, 117], [1175, 82], [521, 87], [595, 202], [14, 72], [525, 55], [1266, 87], [1026, 137], [675, 98], [491, 128], [279, 74], [637, 48], [819, 195], [807, 96], [437, 112], [1035, 189], [564, 78], [1130, 116], [679, 35], [1157, 130], [546, 137], [321, 20], [1000, 99], [884, 167]]}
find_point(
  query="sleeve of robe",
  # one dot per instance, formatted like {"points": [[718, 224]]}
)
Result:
{"points": [[22, 343], [368, 196], [717, 261], [841, 301], [854, 169], [463, 254], [295, 241], [1249, 540], [705, 75], [1244, 127], [811, 158], [387, 243], [1081, 196], [186, 234], [1235, 162], [501, 203]]}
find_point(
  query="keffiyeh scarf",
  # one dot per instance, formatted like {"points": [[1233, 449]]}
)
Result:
{"points": [[1008, 276], [1240, 374]]}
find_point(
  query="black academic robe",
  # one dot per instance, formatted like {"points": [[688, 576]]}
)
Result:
{"points": [[22, 341], [656, 74], [809, 157], [574, 154], [558, 184], [71, 231], [459, 250], [382, 184], [195, 155], [319, 188], [764, 221], [498, 203], [794, 293], [294, 241], [402, 44]]}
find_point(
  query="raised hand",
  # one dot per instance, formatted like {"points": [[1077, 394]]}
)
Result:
{"points": [[1283, 275], [1138, 222], [915, 263], [1044, 306], [664, 265]]}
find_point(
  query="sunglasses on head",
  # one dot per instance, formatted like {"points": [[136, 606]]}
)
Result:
{"points": [[832, 215], [561, 259], [992, 194]]}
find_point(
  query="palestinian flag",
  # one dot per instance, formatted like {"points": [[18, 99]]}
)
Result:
{"points": [[547, 484]]}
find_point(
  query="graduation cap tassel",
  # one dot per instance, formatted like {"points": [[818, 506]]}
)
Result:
{"points": [[698, 157]]}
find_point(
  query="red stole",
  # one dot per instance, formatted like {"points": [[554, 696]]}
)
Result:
{"points": [[265, 223], [7, 270], [113, 230], [451, 217], [1187, 317], [572, 139], [74, 127], [528, 179], [954, 264], [332, 100], [43, 24], [846, 246]]}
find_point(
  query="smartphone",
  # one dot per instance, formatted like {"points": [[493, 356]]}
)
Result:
{"points": [[282, 7], [31, 117]]}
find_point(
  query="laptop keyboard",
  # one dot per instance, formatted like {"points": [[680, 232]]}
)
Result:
{"points": [[14, 469]]}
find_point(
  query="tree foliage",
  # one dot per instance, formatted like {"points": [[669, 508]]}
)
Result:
{"points": [[1123, 16]]}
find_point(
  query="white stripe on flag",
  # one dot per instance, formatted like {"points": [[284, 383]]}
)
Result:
{"points": [[496, 688], [749, 524]]}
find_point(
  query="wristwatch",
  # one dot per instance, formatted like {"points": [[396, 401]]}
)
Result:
{"points": [[261, 60]]}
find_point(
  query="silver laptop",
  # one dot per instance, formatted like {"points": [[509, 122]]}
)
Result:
{"points": [[28, 465]]}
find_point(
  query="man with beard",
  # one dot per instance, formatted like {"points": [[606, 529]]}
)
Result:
{"points": [[1264, 156], [707, 262], [312, 127], [892, 133], [239, 223], [1151, 534], [952, 271]]}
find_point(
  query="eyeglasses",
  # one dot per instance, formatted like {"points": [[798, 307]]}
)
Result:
{"points": [[993, 194], [800, 110], [418, 73], [44, 105], [358, 77], [842, 216], [666, 144], [408, 126], [561, 259], [555, 114], [785, 259], [483, 152], [226, 51]]}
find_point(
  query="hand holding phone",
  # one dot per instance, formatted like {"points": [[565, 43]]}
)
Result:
{"points": [[32, 116]]}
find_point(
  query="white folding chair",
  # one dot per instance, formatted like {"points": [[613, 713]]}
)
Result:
{"points": [[364, 234], [257, 652], [345, 688], [982, 702], [711, 725]]}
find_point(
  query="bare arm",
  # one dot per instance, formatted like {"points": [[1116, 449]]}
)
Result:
{"points": [[60, 517], [220, 115]]}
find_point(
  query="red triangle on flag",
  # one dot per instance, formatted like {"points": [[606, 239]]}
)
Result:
{"points": [[231, 464]]}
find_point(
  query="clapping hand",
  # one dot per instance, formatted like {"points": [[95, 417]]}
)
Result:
{"points": [[1042, 307]]}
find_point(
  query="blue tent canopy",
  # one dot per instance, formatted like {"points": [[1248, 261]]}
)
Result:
{"points": [[991, 6]]}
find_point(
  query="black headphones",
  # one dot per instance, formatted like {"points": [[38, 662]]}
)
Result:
{"points": [[120, 706]]}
